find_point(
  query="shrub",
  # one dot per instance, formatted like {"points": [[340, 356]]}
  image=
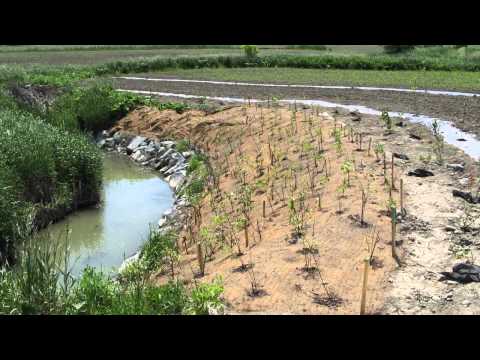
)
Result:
{"points": [[159, 250], [183, 145], [396, 49], [205, 297], [42, 166], [251, 51]]}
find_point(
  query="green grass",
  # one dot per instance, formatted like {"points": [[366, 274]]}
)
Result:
{"points": [[451, 80], [431, 59], [41, 284], [45, 166]]}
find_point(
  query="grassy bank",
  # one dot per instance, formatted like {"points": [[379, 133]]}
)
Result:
{"points": [[46, 173], [41, 284], [451, 80], [50, 167]]}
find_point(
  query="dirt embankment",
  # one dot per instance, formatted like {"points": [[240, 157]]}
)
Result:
{"points": [[463, 111], [306, 256]]}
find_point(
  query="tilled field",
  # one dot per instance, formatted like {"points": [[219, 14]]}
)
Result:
{"points": [[314, 164], [463, 111]]}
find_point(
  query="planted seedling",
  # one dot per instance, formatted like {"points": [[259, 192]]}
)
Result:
{"points": [[347, 168], [439, 142], [387, 120]]}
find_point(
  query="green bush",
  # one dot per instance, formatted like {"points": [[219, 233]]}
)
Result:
{"points": [[397, 49], [42, 166], [159, 250], [251, 51], [40, 285], [97, 107]]}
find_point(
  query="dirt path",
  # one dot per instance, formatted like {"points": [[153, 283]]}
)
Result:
{"points": [[462, 111], [279, 266]]}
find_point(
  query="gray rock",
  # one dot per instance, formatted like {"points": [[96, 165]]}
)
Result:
{"points": [[176, 180], [110, 142], [168, 144], [101, 144], [187, 154], [136, 142], [166, 155], [464, 181], [162, 222], [136, 155], [175, 168], [168, 213], [449, 228], [151, 150]]}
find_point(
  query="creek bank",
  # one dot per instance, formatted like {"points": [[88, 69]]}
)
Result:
{"points": [[163, 157]]}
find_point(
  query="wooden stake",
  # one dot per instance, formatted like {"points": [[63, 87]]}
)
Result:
{"points": [[369, 146], [402, 209], [259, 232], [364, 286], [264, 215], [200, 258], [385, 168], [393, 171], [246, 236], [394, 231]]}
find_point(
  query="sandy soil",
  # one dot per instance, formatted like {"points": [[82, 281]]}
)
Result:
{"points": [[463, 111], [333, 286]]}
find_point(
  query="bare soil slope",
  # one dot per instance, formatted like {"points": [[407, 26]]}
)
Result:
{"points": [[285, 157]]}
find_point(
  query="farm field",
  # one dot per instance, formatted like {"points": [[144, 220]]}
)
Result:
{"points": [[433, 80], [94, 56], [219, 180]]}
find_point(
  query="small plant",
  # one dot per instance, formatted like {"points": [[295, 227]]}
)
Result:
{"points": [[347, 168], [337, 133], [439, 143], [387, 120], [182, 145]]}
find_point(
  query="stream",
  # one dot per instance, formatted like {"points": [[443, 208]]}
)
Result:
{"points": [[132, 198]]}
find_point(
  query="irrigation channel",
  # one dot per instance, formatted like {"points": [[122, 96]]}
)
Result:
{"points": [[453, 136], [132, 198]]}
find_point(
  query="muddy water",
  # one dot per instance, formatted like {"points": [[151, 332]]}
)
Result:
{"points": [[132, 199], [453, 136]]}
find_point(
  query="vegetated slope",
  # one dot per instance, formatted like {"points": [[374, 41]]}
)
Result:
{"points": [[301, 240], [305, 255]]}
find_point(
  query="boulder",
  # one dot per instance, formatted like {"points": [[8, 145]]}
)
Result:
{"points": [[136, 142], [162, 222], [176, 180], [168, 144], [187, 154]]}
